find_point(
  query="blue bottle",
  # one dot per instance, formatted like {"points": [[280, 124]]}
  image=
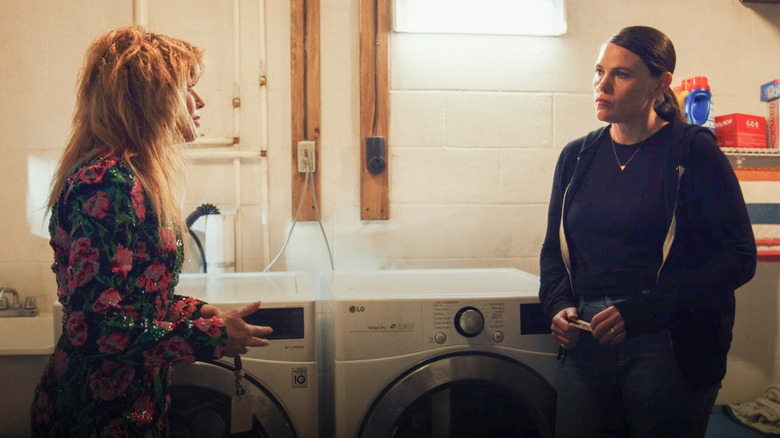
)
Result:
{"points": [[698, 104]]}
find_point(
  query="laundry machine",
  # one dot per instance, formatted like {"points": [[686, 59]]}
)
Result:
{"points": [[280, 380], [440, 353]]}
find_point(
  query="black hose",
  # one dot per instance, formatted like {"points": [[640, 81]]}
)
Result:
{"points": [[191, 219]]}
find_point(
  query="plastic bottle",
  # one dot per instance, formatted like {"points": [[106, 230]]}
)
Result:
{"points": [[681, 92], [698, 104]]}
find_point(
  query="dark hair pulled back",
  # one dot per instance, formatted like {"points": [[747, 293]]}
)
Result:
{"points": [[656, 50]]}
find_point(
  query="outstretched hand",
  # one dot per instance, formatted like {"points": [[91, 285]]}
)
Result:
{"points": [[241, 335]]}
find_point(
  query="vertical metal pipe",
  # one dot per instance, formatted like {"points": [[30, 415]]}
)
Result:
{"points": [[141, 13], [236, 71], [238, 217], [263, 82]]}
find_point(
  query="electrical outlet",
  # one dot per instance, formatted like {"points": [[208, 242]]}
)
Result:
{"points": [[306, 161]]}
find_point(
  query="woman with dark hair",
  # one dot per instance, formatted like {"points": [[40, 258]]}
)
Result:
{"points": [[647, 239], [116, 234]]}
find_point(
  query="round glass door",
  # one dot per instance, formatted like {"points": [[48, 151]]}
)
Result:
{"points": [[202, 405], [469, 395]]}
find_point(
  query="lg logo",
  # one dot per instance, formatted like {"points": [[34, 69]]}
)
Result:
{"points": [[751, 124], [353, 309]]}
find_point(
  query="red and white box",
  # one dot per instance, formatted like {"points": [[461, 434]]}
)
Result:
{"points": [[770, 91], [773, 124], [741, 131]]}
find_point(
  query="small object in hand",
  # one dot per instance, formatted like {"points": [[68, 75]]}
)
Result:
{"points": [[580, 324]]}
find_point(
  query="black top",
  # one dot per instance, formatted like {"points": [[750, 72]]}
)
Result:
{"points": [[712, 252], [617, 222]]}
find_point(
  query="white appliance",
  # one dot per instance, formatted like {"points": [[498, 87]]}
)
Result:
{"points": [[281, 379], [440, 353]]}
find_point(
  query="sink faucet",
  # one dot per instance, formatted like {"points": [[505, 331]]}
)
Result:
{"points": [[4, 301], [15, 307]]}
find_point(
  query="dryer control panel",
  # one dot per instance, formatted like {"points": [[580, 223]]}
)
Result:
{"points": [[382, 314], [471, 321], [386, 328], [509, 322]]}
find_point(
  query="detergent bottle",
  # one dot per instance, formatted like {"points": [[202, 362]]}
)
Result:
{"points": [[698, 104], [680, 92]]}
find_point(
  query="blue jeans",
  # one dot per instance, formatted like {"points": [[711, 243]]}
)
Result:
{"points": [[632, 389]]}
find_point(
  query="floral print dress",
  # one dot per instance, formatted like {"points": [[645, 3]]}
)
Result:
{"points": [[123, 328]]}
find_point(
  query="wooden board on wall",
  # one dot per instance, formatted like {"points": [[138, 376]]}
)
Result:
{"points": [[374, 105], [305, 71]]}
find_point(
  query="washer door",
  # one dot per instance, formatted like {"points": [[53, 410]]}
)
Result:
{"points": [[201, 395], [465, 395]]}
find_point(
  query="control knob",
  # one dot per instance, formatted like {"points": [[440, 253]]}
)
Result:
{"points": [[469, 321]]}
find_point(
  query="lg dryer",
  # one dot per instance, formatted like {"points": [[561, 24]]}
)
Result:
{"points": [[440, 353]]}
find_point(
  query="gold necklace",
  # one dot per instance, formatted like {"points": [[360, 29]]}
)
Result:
{"points": [[614, 151]]}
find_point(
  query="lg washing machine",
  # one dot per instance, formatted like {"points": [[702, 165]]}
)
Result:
{"points": [[280, 381], [440, 353]]}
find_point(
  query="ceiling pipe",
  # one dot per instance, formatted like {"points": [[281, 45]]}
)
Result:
{"points": [[141, 13]]}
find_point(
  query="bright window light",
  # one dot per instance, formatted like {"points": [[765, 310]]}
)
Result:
{"points": [[489, 17]]}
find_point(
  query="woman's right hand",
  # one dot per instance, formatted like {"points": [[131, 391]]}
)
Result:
{"points": [[242, 336], [563, 332]]}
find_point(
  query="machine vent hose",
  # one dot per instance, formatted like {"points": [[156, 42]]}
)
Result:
{"points": [[191, 219]]}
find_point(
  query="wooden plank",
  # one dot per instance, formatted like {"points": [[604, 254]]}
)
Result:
{"points": [[374, 105], [305, 97]]}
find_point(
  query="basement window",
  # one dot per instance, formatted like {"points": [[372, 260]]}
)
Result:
{"points": [[486, 17]]}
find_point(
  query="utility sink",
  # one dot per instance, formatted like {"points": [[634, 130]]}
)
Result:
{"points": [[27, 335]]}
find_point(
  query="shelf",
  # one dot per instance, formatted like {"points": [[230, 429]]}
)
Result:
{"points": [[753, 157], [751, 152]]}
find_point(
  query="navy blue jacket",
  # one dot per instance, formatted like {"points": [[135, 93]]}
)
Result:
{"points": [[712, 253]]}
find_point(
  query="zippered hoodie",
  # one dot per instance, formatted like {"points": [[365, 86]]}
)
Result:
{"points": [[710, 251]]}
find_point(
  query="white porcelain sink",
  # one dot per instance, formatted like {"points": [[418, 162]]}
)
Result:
{"points": [[30, 335]]}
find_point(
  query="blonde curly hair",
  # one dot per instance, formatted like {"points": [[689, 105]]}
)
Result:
{"points": [[132, 103]]}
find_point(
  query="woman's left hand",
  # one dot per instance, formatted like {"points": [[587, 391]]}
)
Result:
{"points": [[608, 326]]}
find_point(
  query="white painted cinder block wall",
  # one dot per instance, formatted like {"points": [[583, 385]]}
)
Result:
{"points": [[476, 125]]}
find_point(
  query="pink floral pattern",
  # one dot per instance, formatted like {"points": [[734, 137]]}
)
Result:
{"points": [[113, 343], [139, 207], [143, 410], [111, 380], [212, 326], [123, 327], [108, 299], [155, 278], [122, 261], [93, 174], [97, 206], [77, 329], [184, 308], [82, 262]]}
